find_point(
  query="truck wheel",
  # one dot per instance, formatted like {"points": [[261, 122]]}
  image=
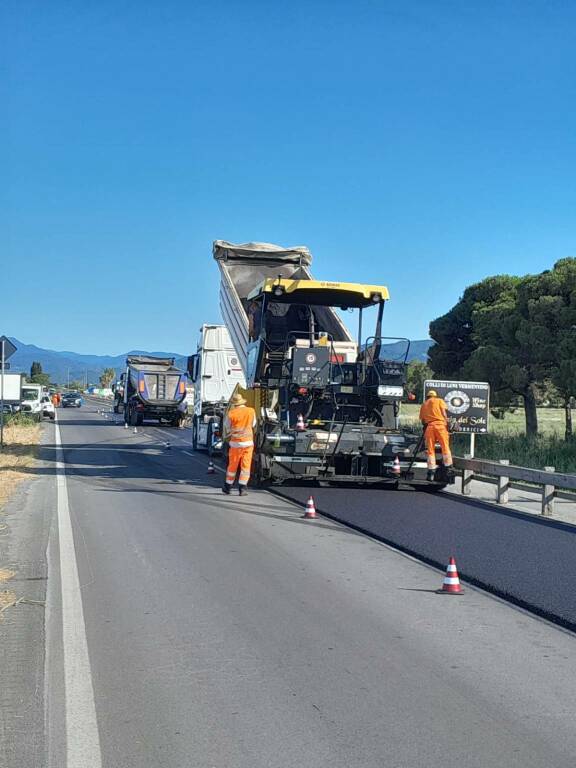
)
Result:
{"points": [[139, 419], [116, 408]]}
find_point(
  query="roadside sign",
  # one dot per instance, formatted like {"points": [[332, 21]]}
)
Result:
{"points": [[468, 403], [9, 348]]}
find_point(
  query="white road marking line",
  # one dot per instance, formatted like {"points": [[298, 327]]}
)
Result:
{"points": [[218, 469], [82, 738]]}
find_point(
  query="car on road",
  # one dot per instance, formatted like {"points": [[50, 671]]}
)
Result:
{"points": [[72, 400], [36, 402]]}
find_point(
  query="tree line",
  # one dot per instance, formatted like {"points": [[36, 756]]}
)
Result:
{"points": [[517, 333], [37, 376]]}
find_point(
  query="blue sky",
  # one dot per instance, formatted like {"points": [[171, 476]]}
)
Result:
{"points": [[423, 145]]}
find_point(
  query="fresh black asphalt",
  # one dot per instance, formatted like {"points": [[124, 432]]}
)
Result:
{"points": [[527, 560]]}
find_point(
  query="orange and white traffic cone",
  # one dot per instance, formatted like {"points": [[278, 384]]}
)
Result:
{"points": [[300, 426], [451, 583], [396, 466], [310, 513], [210, 470]]}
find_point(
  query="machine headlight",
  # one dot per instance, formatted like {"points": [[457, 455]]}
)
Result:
{"points": [[385, 390]]}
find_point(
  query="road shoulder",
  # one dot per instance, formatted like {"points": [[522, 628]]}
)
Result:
{"points": [[24, 532]]}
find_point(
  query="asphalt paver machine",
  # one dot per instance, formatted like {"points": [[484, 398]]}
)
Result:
{"points": [[327, 404]]}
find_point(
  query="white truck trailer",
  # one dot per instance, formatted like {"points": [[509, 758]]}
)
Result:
{"points": [[215, 371], [12, 388]]}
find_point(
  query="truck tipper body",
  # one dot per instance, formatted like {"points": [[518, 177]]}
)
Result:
{"points": [[327, 404], [243, 267], [150, 388], [215, 371]]}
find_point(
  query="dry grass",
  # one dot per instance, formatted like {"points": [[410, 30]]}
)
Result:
{"points": [[19, 453]]}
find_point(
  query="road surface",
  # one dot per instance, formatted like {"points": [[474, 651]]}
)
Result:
{"points": [[222, 631]]}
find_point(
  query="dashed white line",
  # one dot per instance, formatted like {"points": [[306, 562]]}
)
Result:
{"points": [[82, 738]]}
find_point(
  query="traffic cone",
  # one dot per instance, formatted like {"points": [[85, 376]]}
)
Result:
{"points": [[310, 513], [125, 425], [396, 466], [300, 426], [135, 430], [451, 583], [210, 470]]}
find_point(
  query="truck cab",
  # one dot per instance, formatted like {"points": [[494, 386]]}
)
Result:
{"points": [[215, 371]]}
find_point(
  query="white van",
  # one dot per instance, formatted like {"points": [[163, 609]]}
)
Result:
{"points": [[36, 401]]}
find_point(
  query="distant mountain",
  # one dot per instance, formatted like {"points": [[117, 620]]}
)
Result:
{"points": [[70, 366]]}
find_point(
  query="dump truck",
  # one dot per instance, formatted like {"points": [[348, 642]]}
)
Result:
{"points": [[150, 388], [215, 371], [327, 404]]}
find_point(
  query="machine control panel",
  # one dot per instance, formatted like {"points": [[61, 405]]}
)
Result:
{"points": [[311, 367]]}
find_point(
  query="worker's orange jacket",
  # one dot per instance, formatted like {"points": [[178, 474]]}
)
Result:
{"points": [[434, 411], [239, 426]]}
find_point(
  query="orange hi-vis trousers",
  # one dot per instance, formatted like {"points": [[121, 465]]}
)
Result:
{"points": [[239, 457], [436, 432]]}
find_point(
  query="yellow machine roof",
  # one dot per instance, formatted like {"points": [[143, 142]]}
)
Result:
{"points": [[321, 292]]}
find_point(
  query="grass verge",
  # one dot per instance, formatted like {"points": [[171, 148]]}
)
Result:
{"points": [[537, 453], [21, 438]]}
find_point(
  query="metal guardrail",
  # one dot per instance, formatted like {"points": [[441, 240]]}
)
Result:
{"points": [[504, 472]]}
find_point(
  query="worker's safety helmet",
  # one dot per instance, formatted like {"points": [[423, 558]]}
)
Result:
{"points": [[431, 393]]}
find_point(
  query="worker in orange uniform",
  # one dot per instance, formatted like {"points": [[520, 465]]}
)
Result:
{"points": [[239, 431], [433, 415]]}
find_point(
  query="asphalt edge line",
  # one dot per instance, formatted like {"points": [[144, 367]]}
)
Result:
{"points": [[81, 726], [517, 603]]}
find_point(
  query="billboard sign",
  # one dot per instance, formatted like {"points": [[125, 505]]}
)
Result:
{"points": [[468, 403]]}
